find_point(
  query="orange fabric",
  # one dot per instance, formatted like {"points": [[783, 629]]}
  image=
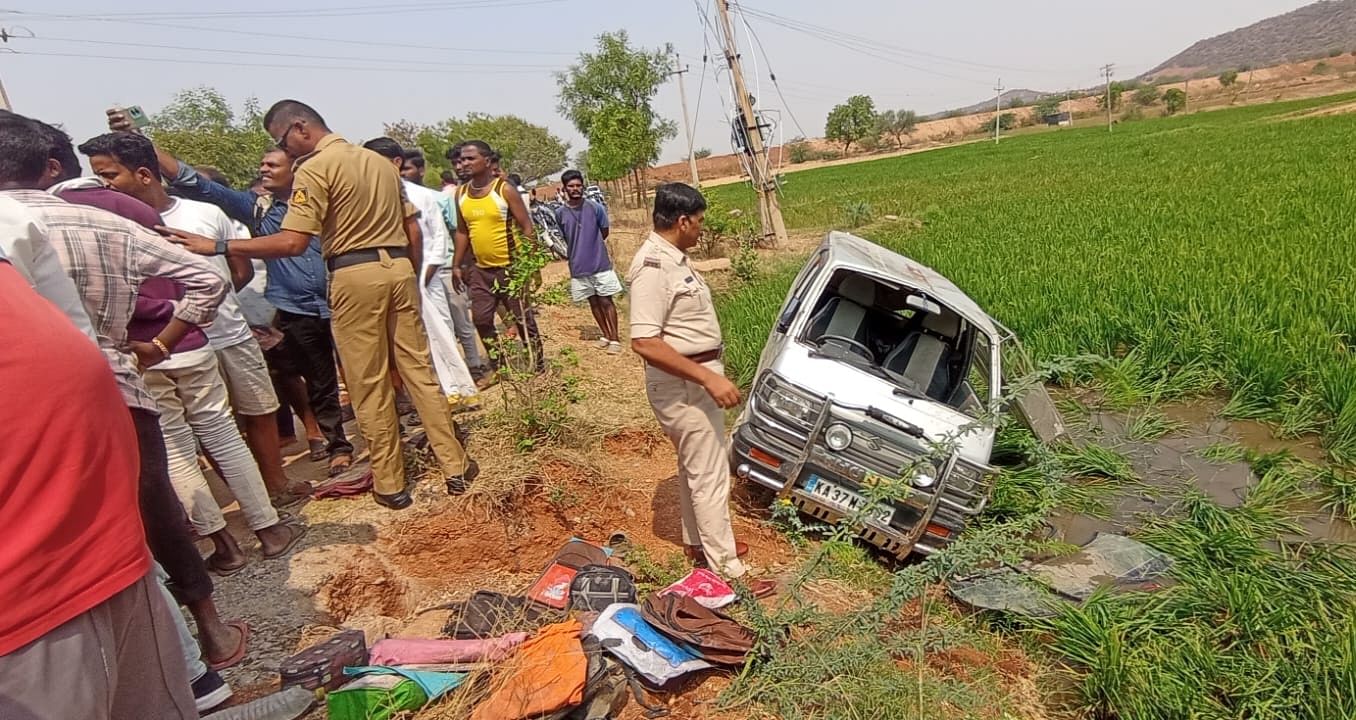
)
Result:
{"points": [[546, 674]]}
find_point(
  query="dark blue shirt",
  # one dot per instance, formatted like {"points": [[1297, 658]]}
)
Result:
{"points": [[295, 284]]}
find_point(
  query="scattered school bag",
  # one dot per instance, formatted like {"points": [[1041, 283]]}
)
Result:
{"points": [[547, 674], [322, 665], [606, 689], [552, 588], [711, 634], [622, 631], [705, 587], [489, 614], [597, 586]]}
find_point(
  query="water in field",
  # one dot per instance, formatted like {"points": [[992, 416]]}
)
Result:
{"points": [[1183, 460]]}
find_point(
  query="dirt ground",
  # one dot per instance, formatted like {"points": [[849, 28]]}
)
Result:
{"points": [[366, 567]]}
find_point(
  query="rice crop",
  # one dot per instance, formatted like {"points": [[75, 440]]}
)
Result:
{"points": [[1194, 253]]}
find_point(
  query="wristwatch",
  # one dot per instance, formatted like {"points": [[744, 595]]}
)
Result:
{"points": [[222, 247]]}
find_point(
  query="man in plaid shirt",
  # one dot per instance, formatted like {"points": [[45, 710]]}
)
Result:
{"points": [[108, 257]]}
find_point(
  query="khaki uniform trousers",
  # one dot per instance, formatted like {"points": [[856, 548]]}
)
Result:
{"points": [[696, 427], [375, 308]]}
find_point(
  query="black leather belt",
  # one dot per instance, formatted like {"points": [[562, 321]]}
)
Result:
{"points": [[367, 255], [708, 356]]}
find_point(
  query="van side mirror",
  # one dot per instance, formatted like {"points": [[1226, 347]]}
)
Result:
{"points": [[788, 316]]}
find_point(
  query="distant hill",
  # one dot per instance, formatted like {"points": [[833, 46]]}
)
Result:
{"points": [[1020, 96], [1310, 32]]}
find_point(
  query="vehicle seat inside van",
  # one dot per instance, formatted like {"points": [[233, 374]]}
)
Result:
{"points": [[845, 314], [924, 356]]}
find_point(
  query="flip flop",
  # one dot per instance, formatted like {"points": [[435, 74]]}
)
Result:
{"points": [[319, 450], [215, 566], [341, 467], [298, 532], [239, 653]]}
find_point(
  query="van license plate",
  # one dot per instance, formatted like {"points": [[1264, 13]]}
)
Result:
{"points": [[848, 501]]}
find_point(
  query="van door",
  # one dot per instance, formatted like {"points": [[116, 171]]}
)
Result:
{"points": [[1024, 391]]}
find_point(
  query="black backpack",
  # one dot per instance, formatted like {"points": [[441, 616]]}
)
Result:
{"points": [[490, 614], [596, 586]]}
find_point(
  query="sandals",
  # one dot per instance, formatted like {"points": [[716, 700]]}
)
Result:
{"points": [[298, 532], [319, 450], [340, 464], [239, 654], [215, 565]]}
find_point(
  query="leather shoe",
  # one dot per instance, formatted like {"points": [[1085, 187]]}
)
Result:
{"points": [[394, 501], [695, 552], [459, 484], [762, 588]]}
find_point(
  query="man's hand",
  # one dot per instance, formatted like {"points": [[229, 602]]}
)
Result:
{"points": [[147, 354], [722, 391], [197, 244], [118, 121], [458, 283]]}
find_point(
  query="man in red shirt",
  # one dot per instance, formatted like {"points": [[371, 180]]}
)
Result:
{"points": [[84, 632]]}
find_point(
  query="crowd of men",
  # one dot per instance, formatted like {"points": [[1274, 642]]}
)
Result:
{"points": [[208, 304]]}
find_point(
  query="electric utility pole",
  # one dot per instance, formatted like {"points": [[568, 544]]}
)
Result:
{"points": [[680, 69], [764, 184], [1107, 70], [998, 110]]}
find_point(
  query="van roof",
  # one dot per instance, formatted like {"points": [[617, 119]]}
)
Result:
{"points": [[849, 250]]}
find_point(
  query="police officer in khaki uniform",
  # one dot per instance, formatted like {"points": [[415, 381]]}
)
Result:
{"points": [[353, 200], [675, 330]]}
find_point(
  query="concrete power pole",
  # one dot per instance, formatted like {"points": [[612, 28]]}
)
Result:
{"points": [[998, 110], [764, 184], [1107, 70], [680, 69]]}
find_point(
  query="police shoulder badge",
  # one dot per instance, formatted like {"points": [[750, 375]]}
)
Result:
{"points": [[299, 196], [652, 262]]}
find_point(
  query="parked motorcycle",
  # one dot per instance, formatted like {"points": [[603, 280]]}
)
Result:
{"points": [[548, 229]]}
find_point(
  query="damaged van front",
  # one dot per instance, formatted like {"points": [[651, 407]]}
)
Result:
{"points": [[876, 399]]}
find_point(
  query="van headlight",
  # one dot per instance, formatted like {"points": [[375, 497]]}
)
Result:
{"points": [[838, 437], [925, 478], [788, 403]]}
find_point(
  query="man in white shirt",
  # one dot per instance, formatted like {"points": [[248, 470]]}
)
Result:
{"points": [[192, 388], [453, 375]]}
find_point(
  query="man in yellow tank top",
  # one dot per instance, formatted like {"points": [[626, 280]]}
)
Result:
{"points": [[487, 211]]}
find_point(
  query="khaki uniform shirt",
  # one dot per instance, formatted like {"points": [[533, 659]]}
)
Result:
{"points": [[350, 196], [669, 300]]}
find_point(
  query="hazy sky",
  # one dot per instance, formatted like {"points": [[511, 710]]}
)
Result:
{"points": [[426, 61]]}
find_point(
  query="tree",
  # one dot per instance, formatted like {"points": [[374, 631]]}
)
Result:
{"points": [[527, 149], [1146, 96], [852, 121], [1117, 89], [1228, 77], [608, 96], [701, 153], [199, 127], [1006, 121], [1046, 107], [898, 124], [1175, 100]]}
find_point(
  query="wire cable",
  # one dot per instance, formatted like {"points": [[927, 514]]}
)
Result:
{"points": [[304, 56], [350, 68], [351, 11]]}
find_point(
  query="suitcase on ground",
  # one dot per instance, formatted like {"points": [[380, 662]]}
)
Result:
{"points": [[322, 666]]}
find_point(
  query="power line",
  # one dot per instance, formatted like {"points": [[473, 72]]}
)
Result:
{"points": [[767, 59], [306, 56], [886, 47], [860, 49], [339, 41], [350, 11], [352, 68]]}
